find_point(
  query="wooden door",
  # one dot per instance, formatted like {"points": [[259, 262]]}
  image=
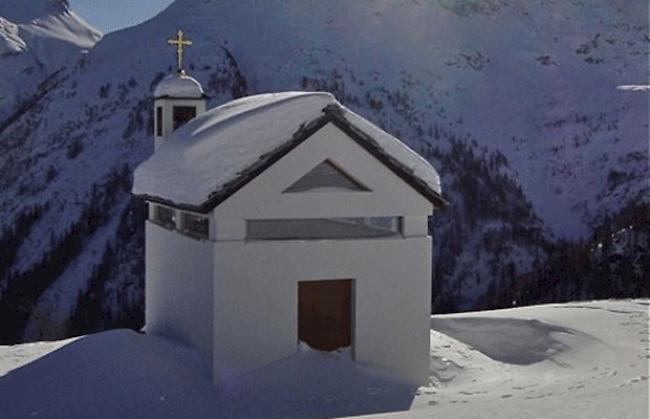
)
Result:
{"points": [[324, 313]]}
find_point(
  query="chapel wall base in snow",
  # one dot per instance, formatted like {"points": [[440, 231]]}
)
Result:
{"points": [[178, 288], [256, 301]]}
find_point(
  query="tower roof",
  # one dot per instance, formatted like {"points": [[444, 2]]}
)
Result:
{"points": [[180, 86], [204, 162]]}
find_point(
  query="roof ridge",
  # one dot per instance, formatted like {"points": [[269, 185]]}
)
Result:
{"points": [[245, 114]]}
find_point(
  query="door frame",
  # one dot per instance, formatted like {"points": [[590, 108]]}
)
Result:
{"points": [[353, 310]]}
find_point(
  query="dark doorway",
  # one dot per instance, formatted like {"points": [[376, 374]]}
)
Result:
{"points": [[324, 313]]}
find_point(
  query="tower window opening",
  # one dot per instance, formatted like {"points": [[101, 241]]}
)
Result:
{"points": [[182, 115], [159, 121]]}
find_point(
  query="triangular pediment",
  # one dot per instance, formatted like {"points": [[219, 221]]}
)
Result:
{"points": [[326, 177]]}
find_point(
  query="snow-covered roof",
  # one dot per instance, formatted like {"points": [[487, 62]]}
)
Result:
{"points": [[180, 86], [212, 156]]}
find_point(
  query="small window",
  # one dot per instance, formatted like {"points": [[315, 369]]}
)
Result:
{"points": [[195, 225], [182, 115], [324, 228], [159, 121], [164, 216]]}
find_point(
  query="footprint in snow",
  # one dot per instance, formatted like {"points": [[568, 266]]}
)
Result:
{"points": [[426, 392], [470, 393], [613, 373], [634, 381], [539, 396]]}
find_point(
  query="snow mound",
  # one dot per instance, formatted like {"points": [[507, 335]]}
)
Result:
{"points": [[128, 375], [579, 360], [513, 341]]}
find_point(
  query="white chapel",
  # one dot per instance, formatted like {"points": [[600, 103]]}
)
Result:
{"points": [[284, 218]]}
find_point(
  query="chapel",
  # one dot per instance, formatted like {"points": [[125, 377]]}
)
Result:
{"points": [[280, 219]]}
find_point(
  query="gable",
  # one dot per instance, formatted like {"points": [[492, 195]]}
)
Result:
{"points": [[383, 193], [326, 177], [388, 158]]}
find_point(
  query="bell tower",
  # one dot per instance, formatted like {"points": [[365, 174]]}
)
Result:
{"points": [[178, 98]]}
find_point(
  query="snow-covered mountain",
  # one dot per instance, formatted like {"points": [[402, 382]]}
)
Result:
{"points": [[514, 102], [37, 38]]}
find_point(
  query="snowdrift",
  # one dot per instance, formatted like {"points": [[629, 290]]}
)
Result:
{"points": [[580, 360]]}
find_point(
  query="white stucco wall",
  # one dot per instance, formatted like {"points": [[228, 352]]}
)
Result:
{"points": [[257, 290], [179, 279], [256, 284]]}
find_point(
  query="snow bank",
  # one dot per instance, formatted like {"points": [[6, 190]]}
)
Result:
{"points": [[512, 341], [580, 360], [129, 375]]}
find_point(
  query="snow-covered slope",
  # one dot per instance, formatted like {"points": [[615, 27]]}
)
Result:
{"points": [[579, 360], [514, 102], [37, 38]]}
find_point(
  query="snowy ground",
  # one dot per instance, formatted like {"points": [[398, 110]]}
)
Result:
{"points": [[580, 360]]}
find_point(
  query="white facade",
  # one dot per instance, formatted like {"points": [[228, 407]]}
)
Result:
{"points": [[236, 298], [178, 287]]}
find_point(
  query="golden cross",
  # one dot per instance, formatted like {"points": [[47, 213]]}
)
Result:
{"points": [[179, 42]]}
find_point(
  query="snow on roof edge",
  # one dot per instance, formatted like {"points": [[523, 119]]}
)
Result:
{"points": [[404, 161]]}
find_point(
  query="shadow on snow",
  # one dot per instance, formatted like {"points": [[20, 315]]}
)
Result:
{"points": [[125, 374]]}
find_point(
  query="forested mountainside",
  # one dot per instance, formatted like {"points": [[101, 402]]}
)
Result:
{"points": [[613, 263], [514, 102]]}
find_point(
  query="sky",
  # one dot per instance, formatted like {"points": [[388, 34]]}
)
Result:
{"points": [[112, 15]]}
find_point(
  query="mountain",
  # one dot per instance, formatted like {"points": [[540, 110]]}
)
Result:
{"points": [[514, 102], [37, 38]]}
